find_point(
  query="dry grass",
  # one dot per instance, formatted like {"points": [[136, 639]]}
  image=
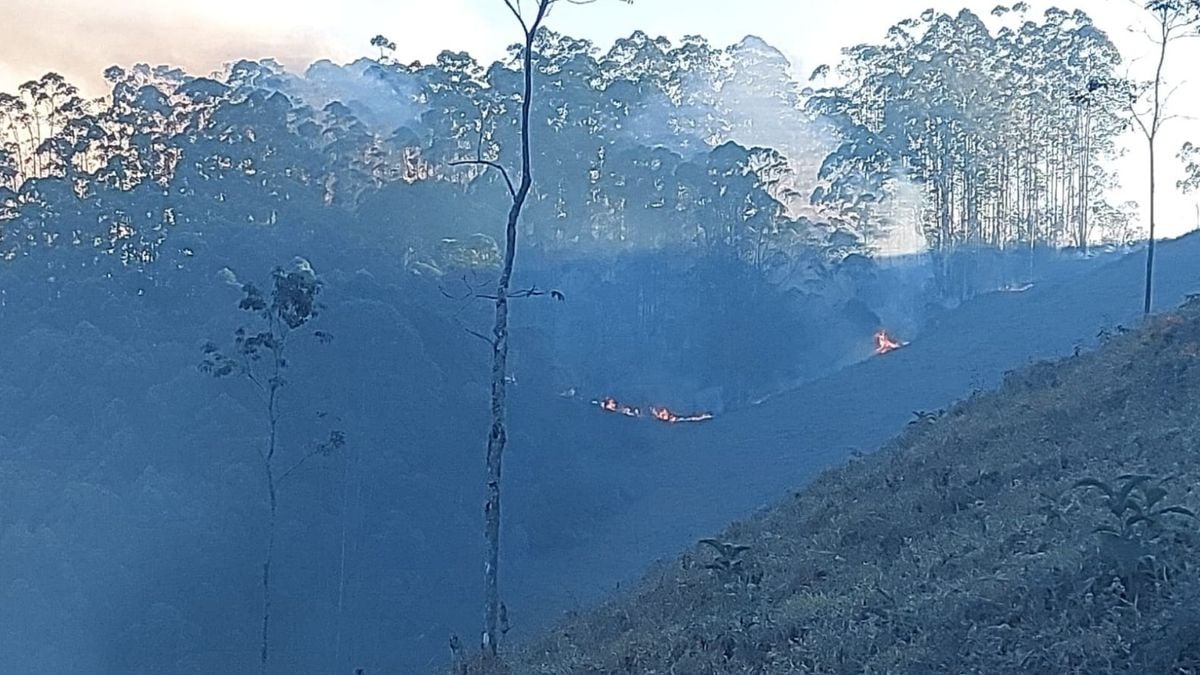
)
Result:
{"points": [[964, 546]]}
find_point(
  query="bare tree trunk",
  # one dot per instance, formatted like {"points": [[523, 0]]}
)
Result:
{"points": [[498, 434], [1150, 244], [266, 578], [272, 494], [1152, 136]]}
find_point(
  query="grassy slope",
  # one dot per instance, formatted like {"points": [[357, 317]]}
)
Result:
{"points": [[663, 488], [962, 546]]}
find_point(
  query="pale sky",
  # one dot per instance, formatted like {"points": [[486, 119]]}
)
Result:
{"points": [[79, 38]]}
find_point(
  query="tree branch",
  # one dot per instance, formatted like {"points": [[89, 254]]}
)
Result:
{"points": [[543, 7], [1137, 117], [493, 165], [471, 291], [517, 13], [491, 342], [311, 453], [1168, 118], [444, 292], [531, 292]]}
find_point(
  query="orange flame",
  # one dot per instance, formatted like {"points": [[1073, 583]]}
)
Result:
{"points": [[610, 404], [665, 415], [659, 413], [884, 342]]}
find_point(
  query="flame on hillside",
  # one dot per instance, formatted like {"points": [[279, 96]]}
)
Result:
{"points": [[610, 404], [884, 342], [664, 415], [659, 413]]}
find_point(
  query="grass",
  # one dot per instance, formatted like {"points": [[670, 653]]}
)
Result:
{"points": [[1046, 527]]}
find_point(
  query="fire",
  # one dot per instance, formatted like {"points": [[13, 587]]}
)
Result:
{"points": [[665, 415], [610, 404], [662, 414], [884, 342]]}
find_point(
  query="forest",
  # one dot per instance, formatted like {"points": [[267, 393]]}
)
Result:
{"points": [[993, 135], [706, 229]]}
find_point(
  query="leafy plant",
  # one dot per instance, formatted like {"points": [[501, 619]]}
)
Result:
{"points": [[728, 564], [1137, 520], [926, 417], [1133, 503]]}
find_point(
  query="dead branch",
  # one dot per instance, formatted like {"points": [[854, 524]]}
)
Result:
{"points": [[512, 192]]}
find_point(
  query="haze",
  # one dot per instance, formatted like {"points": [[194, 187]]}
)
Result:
{"points": [[811, 337]]}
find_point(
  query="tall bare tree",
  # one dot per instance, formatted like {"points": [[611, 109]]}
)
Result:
{"points": [[1173, 20], [531, 19]]}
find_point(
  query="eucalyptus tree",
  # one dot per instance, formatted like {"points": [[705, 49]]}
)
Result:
{"points": [[628, 138], [571, 98], [703, 110], [140, 127], [383, 44], [13, 116], [1172, 20], [1057, 160], [961, 125], [251, 158], [35, 109], [460, 110], [758, 96], [9, 170], [1189, 154]]}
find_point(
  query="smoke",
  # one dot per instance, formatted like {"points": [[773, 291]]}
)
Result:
{"points": [[903, 235], [383, 100], [80, 38]]}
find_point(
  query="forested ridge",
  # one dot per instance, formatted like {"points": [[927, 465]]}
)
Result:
{"points": [[981, 131]]}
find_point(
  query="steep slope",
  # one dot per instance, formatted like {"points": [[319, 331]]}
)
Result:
{"points": [[967, 545], [682, 482]]}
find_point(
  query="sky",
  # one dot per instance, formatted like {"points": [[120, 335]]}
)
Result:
{"points": [[79, 38]]}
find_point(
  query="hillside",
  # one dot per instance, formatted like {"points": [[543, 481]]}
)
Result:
{"points": [[964, 545], [663, 488]]}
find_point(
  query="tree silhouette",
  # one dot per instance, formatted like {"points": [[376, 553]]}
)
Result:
{"points": [[383, 43], [1189, 154], [260, 356], [1173, 20], [531, 23]]}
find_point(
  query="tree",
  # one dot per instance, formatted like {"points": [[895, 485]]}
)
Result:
{"points": [[12, 113], [383, 43], [498, 433], [1190, 156], [261, 357], [1173, 20], [961, 128], [9, 171]]}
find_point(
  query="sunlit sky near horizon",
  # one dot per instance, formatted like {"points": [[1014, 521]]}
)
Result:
{"points": [[79, 38]]}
